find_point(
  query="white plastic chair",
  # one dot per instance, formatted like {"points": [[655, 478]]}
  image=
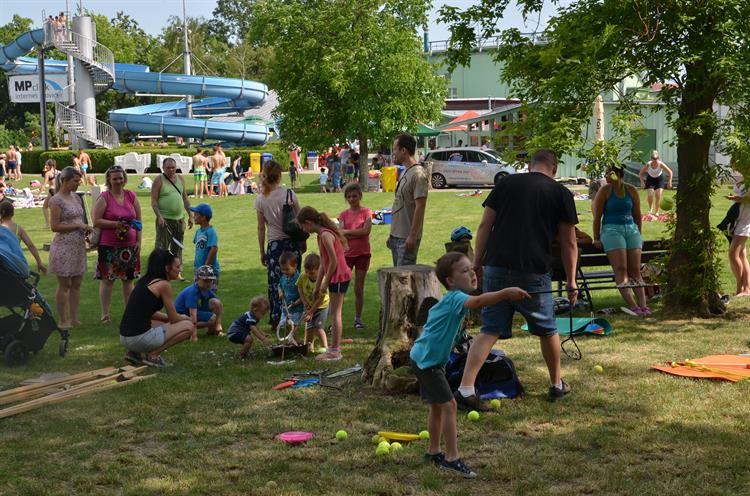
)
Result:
{"points": [[133, 161]]}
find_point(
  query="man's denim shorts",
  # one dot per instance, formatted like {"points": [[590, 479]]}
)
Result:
{"points": [[497, 320]]}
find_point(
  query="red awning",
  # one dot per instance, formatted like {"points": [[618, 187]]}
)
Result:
{"points": [[463, 117]]}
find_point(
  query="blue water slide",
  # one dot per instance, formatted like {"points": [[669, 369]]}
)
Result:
{"points": [[217, 96]]}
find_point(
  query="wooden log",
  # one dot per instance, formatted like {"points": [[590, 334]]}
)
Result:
{"points": [[24, 392], [117, 380], [404, 291]]}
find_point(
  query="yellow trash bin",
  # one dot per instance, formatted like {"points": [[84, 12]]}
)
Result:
{"points": [[255, 162], [389, 176]]}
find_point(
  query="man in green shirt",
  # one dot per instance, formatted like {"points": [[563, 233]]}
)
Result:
{"points": [[409, 203], [170, 204]]}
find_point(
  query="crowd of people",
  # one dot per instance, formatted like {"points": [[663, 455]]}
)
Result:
{"points": [[512, 261]]}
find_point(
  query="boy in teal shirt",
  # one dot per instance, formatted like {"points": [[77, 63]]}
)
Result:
{"points": [[432, 349], [206, 241]]}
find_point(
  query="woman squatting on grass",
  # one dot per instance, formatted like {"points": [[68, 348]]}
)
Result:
{"points": [[336, 273]]}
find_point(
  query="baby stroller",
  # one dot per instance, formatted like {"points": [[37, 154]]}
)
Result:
{"points": [[26, 319]]}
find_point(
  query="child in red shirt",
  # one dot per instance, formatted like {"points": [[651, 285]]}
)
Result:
{"points": [[355, 224], [334, 272]]}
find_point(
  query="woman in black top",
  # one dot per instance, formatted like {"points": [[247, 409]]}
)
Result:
{"points": [[144, 329]]}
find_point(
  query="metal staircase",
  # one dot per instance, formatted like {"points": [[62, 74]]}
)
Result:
{"points": [[100, 64]]}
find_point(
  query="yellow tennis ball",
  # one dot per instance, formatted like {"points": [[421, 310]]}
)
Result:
{"points": [[384, 444], [473, 415], [424, 435], [381, 450], [376, 439], [341, 435], [598, 369], [495, 404], [396, 446]]}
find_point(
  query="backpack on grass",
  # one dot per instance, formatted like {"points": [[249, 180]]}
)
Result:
{"points": [[496, 379]]}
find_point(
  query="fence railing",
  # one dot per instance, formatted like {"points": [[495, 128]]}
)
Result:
{"points": [[85, 126], [485, 43], [86, 49]]}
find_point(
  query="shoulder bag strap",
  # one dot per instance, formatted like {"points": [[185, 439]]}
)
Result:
{"points": [[172, 183], [83, 206]]}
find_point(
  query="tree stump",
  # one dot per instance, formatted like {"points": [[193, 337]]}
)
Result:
{"points": [[406, 294]]}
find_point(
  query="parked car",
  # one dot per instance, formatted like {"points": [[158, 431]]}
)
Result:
{"points": [[466, 166]]}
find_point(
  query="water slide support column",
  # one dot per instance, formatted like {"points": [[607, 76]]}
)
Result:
{"points": [[85, 98], [42, 100]]}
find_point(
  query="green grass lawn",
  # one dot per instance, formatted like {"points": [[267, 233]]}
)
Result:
{"points": [[206, 425]]}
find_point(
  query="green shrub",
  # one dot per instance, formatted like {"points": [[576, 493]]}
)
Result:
{"points": [[30, 163]]}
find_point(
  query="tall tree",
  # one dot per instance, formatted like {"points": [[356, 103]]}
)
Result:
{"points": [[700, 48], [348, 69], [232, 20]]}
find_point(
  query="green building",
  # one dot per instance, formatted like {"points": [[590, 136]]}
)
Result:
{"points": [[478, 87]]}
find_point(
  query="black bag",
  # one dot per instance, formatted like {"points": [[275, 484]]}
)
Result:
{"points": [[289, 223], [496, 379], [726, 226]]}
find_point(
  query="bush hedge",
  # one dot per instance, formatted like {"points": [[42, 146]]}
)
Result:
{"points": [[33, 161]]}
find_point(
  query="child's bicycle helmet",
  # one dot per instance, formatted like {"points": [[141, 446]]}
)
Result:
{"points": [[461, 233]]}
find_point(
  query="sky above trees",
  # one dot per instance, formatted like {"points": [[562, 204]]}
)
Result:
{"points": [[153, 16]]}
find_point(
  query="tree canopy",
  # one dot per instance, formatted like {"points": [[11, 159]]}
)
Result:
{"points": [[348, 69], [698, 49]]}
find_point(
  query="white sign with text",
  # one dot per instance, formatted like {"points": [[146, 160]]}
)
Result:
{"points": [[25, 89]]}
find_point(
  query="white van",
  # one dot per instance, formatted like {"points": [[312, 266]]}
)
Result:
{"points": [[466, 166]]}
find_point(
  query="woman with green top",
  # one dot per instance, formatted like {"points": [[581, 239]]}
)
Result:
{"points": [[170, 204], [617, 229]]}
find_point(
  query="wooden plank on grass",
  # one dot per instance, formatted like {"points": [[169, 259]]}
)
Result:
{"points": [[70, 379], [113, 382]]}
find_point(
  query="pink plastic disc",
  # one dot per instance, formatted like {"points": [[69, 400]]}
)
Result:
{"points": [[294, 437]]}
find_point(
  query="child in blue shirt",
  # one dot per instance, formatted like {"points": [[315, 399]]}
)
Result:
{"points": [[433, 347], [323, 180], [200, 303], [206, 241], [289, 292], [245, 327]]}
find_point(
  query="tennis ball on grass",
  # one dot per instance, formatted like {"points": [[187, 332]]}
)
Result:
{"points": [[384, 444], [382, 450], [666, 204], [495, 404], [396, 447], [341, 435], [424, 435], [376, 439], [473, 415], [598, 369]]}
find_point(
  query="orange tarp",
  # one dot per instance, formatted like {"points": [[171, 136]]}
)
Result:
{"points": [[723, 367]]}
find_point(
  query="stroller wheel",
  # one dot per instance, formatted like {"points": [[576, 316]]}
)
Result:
{"points": [[63, 347], [15, 353]]}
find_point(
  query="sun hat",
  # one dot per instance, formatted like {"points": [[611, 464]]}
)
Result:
{"points": [[205, 272]]}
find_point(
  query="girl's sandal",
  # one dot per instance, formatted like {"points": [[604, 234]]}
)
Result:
{"points": [[105, 320]]}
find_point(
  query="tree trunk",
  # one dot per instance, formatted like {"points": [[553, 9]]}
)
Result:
{"points": [[406, 293], [692, 271], [363, 167]]}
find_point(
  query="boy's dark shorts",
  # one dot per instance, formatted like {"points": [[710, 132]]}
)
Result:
{"points": [[237, 334], [433, 384]]}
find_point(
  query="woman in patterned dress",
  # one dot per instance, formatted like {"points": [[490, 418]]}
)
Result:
{"points": [[67, 254]]}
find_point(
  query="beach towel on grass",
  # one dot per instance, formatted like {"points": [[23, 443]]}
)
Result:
{"points": [[581, 325]]}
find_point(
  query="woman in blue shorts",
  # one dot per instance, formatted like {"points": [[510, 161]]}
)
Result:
{"points": [[617, 229]]}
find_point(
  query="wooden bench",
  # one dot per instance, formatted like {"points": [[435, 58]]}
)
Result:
{"points": [[591, 257]]}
